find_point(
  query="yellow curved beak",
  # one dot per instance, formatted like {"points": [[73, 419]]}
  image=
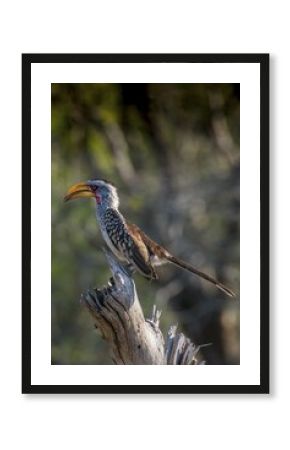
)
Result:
{"points": [[79, 190]]}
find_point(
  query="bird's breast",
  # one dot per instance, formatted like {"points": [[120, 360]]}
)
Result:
{"points": [[111, 241]]}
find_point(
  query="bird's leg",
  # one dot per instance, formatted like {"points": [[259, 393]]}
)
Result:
{"points": [[130, 268], [111, 282], [110, 286]]}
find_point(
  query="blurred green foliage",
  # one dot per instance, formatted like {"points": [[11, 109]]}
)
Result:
{"points": [[173, 152]]}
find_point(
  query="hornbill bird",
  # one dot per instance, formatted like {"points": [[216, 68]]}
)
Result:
{"points": [[128, 243]]}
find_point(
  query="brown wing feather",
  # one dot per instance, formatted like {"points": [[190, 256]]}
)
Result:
{"points": [[152, 247], [139, 252]]}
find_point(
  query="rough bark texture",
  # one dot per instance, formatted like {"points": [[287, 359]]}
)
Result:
{"points": [[133, 339]]}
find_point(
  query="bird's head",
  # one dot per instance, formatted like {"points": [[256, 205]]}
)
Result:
{"points": [[102, 191]]}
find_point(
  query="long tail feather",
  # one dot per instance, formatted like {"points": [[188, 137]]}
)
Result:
{"points": [[190, 268]]}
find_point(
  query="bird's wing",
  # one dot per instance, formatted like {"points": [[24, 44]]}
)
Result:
{"points": [[162, 254], [138, 251], [153, 248]]}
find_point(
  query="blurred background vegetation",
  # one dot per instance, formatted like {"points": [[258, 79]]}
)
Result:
{"points": [[173, 152]]}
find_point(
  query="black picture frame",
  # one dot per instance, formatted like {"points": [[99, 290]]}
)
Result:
{"points": [[263, 61]]}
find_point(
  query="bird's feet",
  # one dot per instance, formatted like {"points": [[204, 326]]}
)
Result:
{"points": [[111, 282], [130, 269]]}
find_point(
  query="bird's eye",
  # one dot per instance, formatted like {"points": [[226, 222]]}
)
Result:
{"points": [[94, 188]]}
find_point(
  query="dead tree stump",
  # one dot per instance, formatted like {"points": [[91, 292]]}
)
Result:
{"points": [[132, 339]]}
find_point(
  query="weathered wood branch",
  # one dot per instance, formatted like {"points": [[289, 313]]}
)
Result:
{"points": [[132, 339]]}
